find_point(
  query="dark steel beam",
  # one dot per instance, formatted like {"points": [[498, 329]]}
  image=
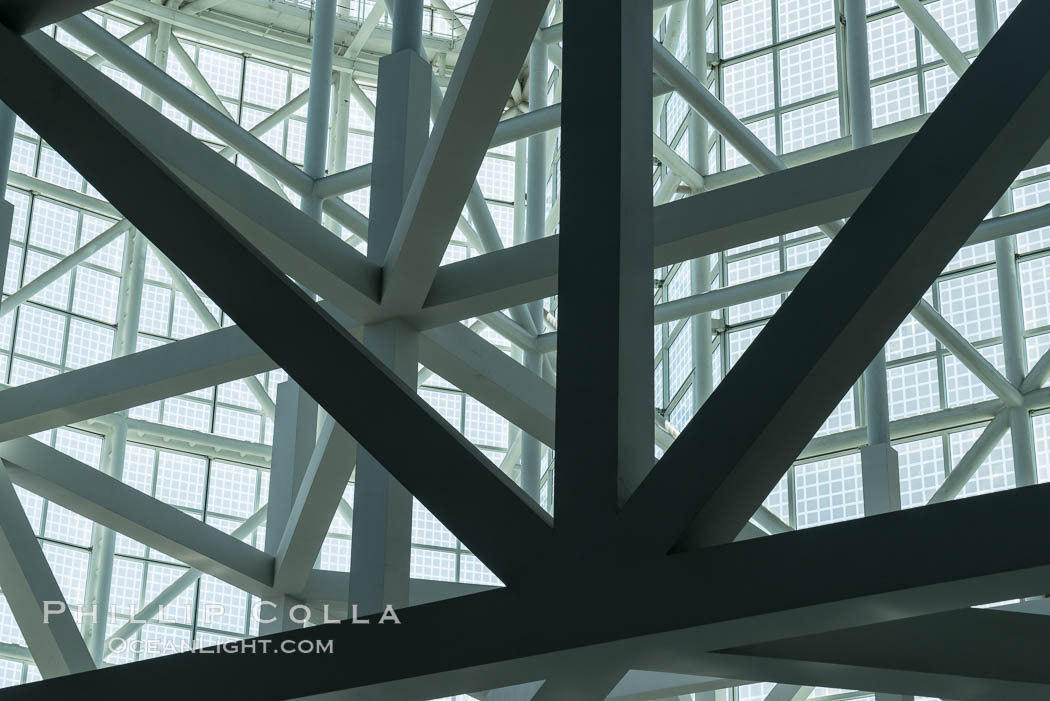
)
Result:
{"points": [[967, 654], [483, 507], [645, 614], [23, 16], [744, 438], [605, 307]]}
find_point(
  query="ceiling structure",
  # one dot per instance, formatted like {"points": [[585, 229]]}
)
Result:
{"points": [[289, 276]]}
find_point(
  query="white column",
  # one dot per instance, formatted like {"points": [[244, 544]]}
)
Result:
{"points": [[1021, 438], [295, 428], [535, 215], [879, 465], [382, 542], [320, 99], [700, 268]]}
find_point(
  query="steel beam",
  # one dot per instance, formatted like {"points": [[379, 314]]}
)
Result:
{"points": [[935, 34], [966, 654], [37, 603], [140, 378], [605, 389], [893, 566], [492, 377], [122, 508], [884, 259], [533, 229], [316, 501], [316, 148]]}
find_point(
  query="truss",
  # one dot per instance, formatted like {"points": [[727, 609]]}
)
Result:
{"points": [[649, 580]]}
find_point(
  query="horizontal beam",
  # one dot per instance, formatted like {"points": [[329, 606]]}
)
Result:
{"points": [[965, 654], [941, 558], [507, 131]]}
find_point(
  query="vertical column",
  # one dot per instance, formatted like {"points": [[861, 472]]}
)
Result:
{"points": [[103, 540], [7, 210], [605, 374], [294, 431], [381, 554], [407, 23], [1021, 438], [699, 268], [7, 135], [320, 99], [316, 146], [340, 113], [535, 216], [129, 305], [879, 465]]}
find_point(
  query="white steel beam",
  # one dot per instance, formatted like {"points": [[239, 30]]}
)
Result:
{"points": [[492, 377], [315, 150], [183, 285], [140, 378], [28, 584], [380, 562], [42, 281], [316, 501], [171, 592], [122, 508], [935, 34]]}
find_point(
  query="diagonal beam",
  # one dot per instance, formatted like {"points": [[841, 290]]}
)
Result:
{"points": [[131, 380], [892, 566], [761, 415], [935, 34], [968, 465], [716, 220], [499, 36], [182, 284], [492, 377], [173, 590], [604, 403], [317, 500], [29, 585], [122, 508], [965, 654], [30, 289], [469, 495]]}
